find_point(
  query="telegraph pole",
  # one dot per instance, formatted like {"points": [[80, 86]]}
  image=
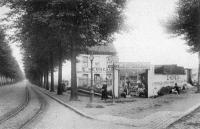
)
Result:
{"points": [[113, 98]]}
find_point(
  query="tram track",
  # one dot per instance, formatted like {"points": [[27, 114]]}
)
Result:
{"points": [[16, 110], [26, 113], [42, 108]]}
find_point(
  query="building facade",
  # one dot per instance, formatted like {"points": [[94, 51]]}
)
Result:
{"points": [[103, 58]]}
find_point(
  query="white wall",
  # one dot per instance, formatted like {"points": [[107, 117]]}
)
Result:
{"points": [[194, 75], [99, 66], [157, 81]]}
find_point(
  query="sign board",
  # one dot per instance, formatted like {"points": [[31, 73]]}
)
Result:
{"points": [[134, 65], [112, 59], [111, 66]]}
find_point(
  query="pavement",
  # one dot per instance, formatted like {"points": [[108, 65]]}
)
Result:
{"points": [[160, 119], [191, 121], [57, 116]]}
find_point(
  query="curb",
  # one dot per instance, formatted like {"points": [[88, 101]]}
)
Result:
{"points": [[192, 109], [81, 113], [67, 105]]}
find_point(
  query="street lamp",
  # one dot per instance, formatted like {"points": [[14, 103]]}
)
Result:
{"points": [[92, 90]]}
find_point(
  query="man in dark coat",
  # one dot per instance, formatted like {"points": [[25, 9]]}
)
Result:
{"points": [[104, 92]]}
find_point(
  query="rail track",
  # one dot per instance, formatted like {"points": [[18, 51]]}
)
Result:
{"points": [[42, 108], [12, 118], [18, 109]]}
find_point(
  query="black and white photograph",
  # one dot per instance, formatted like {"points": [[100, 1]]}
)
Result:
{"points": [[99, 64]]}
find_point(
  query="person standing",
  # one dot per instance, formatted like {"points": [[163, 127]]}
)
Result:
{"points": [[104, 92]]}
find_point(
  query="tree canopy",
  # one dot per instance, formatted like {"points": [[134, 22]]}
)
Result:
{"points": [[187, 22], [65, 28], [9, 66]]}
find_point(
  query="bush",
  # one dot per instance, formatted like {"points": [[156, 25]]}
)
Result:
{"points": [[165, 90]]}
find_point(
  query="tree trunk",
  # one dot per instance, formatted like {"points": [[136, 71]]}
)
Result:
{"points": [[74, 92], [41, 82], [47, 76], [198, 87], [60, 90], [45, 81], [52, 74]]}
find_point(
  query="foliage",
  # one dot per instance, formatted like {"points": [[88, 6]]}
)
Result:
{"points": [[187, 23], [72, 25], [164, 90], [9, 66]]}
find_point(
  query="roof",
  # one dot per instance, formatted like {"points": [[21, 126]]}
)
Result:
{"points": [[131, 72], [108, 49], [134, 65], [169, 69]]}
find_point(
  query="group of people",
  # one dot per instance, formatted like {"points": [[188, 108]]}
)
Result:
{"points": [[177, 89], [104, 93]]}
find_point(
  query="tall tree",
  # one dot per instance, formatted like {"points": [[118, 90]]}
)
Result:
{"points": [[187, 24], [9, 66], [79, 24], [83, 23]]}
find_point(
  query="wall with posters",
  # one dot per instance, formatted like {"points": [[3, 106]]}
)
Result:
{"points": [[157, 81], [102, 73]]}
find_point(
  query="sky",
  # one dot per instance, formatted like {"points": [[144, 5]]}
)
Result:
{"points": [[145, 40]]}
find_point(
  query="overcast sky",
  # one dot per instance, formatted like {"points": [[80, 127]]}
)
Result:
{"points": [[146, 40]]}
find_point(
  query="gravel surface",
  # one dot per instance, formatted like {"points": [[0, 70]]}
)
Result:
{"points": [[191, 121], [136, 108], [25, 115]]}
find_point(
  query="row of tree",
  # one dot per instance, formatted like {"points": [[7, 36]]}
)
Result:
{"points": [[51, 31], [9, 68]]}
